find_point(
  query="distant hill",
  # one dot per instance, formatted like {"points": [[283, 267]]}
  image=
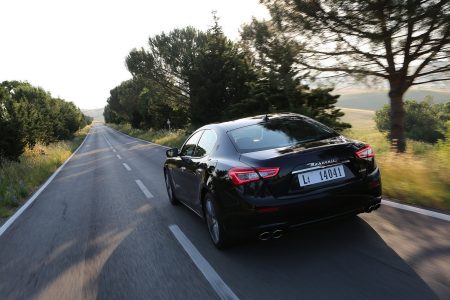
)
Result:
{"points": [[374, 100], [96, 113]]}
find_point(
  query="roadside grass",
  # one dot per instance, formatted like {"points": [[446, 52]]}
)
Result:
{"points": [[174, 138], [19, 179], [420, 176]]}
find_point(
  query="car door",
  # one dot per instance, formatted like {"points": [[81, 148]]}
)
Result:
{"points": [[197, 167], [180, 180]]}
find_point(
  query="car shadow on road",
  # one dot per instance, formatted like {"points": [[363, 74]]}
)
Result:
{"points": [[344, 259]]}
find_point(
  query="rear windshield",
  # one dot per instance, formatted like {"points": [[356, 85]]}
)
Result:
{"points": [[279, 133]]}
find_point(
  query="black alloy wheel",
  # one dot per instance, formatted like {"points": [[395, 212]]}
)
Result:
{"points": [[214, 223], [169, 188]]}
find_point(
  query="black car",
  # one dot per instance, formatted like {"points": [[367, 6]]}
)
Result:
{"points": [[267, 174]]}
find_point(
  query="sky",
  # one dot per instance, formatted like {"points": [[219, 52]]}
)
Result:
{"points": [[76, 49]]}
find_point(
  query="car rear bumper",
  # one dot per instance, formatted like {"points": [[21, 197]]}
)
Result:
{"points": [[297, 211]]}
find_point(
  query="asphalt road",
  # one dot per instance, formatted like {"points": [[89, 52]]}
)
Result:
{"points": [[94, 232]]}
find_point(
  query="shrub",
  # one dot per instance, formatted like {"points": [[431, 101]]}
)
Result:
{"points": [[424, 121]]}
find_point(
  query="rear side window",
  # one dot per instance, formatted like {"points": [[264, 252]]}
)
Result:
{"points": [[278, 133], [206, 143], [189, 146]]}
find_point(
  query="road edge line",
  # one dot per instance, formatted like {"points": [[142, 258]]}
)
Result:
{"points": [[216, 282], [417, 210], [30, 201], [138, 138]]}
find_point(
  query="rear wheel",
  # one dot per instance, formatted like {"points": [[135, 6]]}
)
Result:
{"points": [[169, 188], [214, 223]]}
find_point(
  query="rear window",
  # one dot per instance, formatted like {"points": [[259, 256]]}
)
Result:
{"points": [[279, 133]]}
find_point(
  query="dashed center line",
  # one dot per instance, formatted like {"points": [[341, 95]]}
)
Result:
{"points": [[118, 156], [110, 145], [126, 167], [144, 189], [106, 139]]}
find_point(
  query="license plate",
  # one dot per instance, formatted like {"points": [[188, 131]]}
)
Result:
{"points": [[322, 175]]}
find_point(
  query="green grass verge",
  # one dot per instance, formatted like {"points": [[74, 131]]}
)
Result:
{"points": [[421, 176], [174, 138], [20, 179]]}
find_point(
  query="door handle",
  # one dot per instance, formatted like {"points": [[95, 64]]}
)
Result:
{"points": [[183, 169]]}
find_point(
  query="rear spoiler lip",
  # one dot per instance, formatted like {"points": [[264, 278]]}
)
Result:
{"points": [[298, 150]]}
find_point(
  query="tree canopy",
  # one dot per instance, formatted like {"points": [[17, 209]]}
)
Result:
{"points": [[195, 78]]}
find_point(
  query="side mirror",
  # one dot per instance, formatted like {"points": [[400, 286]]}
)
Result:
{"points": [[172, 152]]}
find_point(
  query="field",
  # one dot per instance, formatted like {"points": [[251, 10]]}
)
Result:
{"points": [[420, 176], [375, 99], [20, 179]]}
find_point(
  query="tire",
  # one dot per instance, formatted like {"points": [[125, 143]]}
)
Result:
{"points": [[173, 200], [214, 223]]}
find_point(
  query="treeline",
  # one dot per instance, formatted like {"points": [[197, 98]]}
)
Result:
{"points": [[194, 78], [30, 115]]}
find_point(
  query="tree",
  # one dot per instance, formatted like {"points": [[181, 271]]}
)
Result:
{"points": [[111, 116], [169, 61], [405, 42], [12, 140], [198, 74], [279, 86], [424, 121], [220, 78]]}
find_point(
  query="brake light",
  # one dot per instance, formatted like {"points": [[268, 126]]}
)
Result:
{"points": [[267, 209], [365, 152], [244, 175]]}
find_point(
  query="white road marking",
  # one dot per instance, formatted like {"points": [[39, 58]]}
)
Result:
{"points": [[219, 286], [421, 211], [126, 167], [144, 189], [118, 156], [20, 211], [106, 139], [109, 143]]}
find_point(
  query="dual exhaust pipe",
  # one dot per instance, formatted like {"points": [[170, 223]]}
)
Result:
{"points": [[373, 207], [276, 234], [266, 235]]}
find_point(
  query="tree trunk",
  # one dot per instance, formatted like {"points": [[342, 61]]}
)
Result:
{"points": [[397, 121]]}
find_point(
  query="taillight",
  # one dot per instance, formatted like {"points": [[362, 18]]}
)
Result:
{"points": [[243, 175], [365, 152]]}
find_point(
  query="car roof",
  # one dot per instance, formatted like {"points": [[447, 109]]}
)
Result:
{"points": [[234, 124]]}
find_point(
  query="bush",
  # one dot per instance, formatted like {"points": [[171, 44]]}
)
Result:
{"points": [[424, 121]]}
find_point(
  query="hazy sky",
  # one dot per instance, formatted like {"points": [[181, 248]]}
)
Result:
{"points": [[76, 49]]}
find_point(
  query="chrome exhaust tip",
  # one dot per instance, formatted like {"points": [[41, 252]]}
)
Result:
{"points": [[277, 233], [265, 236]]}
